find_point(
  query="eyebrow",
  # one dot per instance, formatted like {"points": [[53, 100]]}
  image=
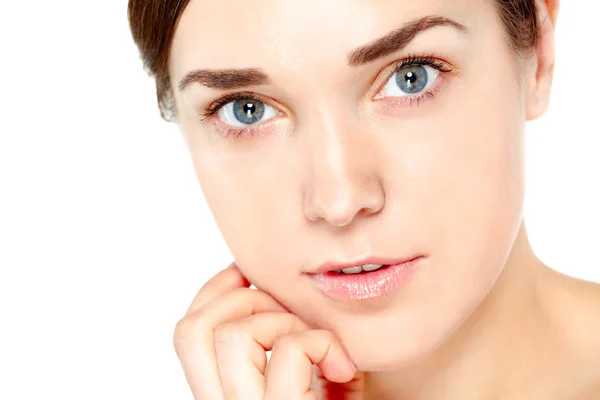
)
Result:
{"points": [[396, 40], [224, 79]]}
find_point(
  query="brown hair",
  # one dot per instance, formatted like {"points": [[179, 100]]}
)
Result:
{"points": [[153, 24]]}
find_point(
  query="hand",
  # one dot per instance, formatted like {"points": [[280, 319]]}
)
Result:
{"points": [[222, 341]]}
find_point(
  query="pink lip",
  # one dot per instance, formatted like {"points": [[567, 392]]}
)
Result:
{"points": [[332, 265], [365, 285]]}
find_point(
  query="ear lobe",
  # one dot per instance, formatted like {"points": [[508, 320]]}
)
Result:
{"points": [[539, 88], [537, 105]]}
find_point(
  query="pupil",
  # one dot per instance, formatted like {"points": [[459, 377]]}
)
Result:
{"points": [[249, 109]]}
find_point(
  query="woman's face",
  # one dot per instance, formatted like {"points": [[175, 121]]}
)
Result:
{"points": [[410, 163]]}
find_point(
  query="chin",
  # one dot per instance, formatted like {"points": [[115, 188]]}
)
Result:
{"points": [[392, 352], [395, 340]]}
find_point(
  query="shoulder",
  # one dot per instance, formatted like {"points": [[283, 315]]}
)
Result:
{"points": [[589, 347], [582, 310], [577, 307]]}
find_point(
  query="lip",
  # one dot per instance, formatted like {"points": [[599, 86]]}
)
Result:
{"points": [[332, 265], [364, 286]]}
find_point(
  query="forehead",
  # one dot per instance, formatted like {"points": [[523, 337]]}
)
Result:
{"points": [[307, 35]]}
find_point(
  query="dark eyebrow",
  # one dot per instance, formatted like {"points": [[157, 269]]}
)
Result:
{"points": [[397, 39], [224, 79]]}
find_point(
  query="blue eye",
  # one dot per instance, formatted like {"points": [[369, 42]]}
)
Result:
{"points": [[246, 111], [409, 80]]}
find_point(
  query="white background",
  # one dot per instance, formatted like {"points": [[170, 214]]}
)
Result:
{"points": [[105, 236]]}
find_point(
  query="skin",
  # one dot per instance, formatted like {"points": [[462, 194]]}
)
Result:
{"points": [[342, 173]]}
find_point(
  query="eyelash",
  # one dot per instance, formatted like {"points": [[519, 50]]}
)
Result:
{"points": [[411, 60]]}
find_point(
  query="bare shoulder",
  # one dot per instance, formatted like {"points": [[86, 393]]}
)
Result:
{"points": [[582, 306], [588, 391], [577, 303], [590, 326]]}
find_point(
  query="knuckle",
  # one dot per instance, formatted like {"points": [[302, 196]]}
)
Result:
{"points": [[227, 332], [182, 330], [193, 323], [327, 335], [227, 338], [187, 328], [286, 342]]}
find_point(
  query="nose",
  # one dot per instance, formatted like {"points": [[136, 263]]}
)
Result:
{"points": [[343, 182]]}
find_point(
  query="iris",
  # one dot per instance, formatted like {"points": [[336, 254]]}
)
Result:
{"points": [[412, 79]]}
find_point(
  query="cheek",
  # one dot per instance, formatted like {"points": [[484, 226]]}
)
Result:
{"points": [[471, 193], [253, 201]]}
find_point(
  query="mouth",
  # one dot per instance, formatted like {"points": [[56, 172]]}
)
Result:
{"points": [[364, 281], [360, 269], [360, 266]]}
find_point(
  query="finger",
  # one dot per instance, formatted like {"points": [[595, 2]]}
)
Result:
{"points": [[289, 372], [240, 347], [351, 390], [227, 279], [223, 281], [194, 336]]}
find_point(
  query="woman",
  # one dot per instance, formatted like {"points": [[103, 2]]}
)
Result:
{"points": [[364, 163]]}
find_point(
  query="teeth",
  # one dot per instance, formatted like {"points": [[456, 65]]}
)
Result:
{"points": [[352, 270], [371, 267], [359, 269]]}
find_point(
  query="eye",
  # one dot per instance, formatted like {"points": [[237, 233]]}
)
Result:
{"points": [[409, 80], [246, 111]]}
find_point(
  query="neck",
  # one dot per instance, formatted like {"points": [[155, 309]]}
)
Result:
{"points": [[498, 348]]}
